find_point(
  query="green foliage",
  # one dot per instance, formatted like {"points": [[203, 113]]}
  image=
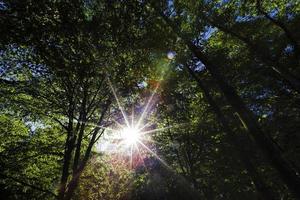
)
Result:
{"points": [[29, 160], [58, 59], [105, 178]]}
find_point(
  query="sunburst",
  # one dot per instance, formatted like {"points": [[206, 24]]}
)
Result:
{"points": [[130, 135], [134, 135]]}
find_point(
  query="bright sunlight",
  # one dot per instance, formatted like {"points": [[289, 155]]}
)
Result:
{"points": [[130, 135]]}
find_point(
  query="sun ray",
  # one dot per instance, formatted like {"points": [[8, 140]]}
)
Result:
{"points": [[154, 154], [146, 107], [120, 125], [146, 125], [118, 102], [155, 130], [162, 129], [131, 156], [138, 150], [96, 125], [148, 139], [132, 116], [133, 136]]}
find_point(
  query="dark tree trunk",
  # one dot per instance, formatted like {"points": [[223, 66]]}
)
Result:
{"points": [[76, 174], [285, 169], [244, 156], [282, 26], [287, 173], [281, 72], [82, 122], [67, 160], [69, 146]]}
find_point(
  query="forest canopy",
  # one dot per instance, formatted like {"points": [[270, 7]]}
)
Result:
{"points": [[149, 100]]}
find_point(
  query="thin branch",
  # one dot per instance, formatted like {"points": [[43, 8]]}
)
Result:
{"points": [[29, 185], [60, 123]]}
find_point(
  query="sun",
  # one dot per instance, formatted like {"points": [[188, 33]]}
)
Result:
{"points": [[130, 135]]}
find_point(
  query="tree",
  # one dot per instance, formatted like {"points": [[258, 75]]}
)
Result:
{"points": [[67, 67], [284, 167]]}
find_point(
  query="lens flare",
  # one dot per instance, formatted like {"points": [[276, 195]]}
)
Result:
{"points": [[171, 55], [132, 138]]}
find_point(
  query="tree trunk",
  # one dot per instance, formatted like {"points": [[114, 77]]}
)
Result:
{"points": [[244, 156], [282, 73], [287, 173], [69, 146], [82, 123], [66, 165], [285, 169], [281, 25], [76, 174]]}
